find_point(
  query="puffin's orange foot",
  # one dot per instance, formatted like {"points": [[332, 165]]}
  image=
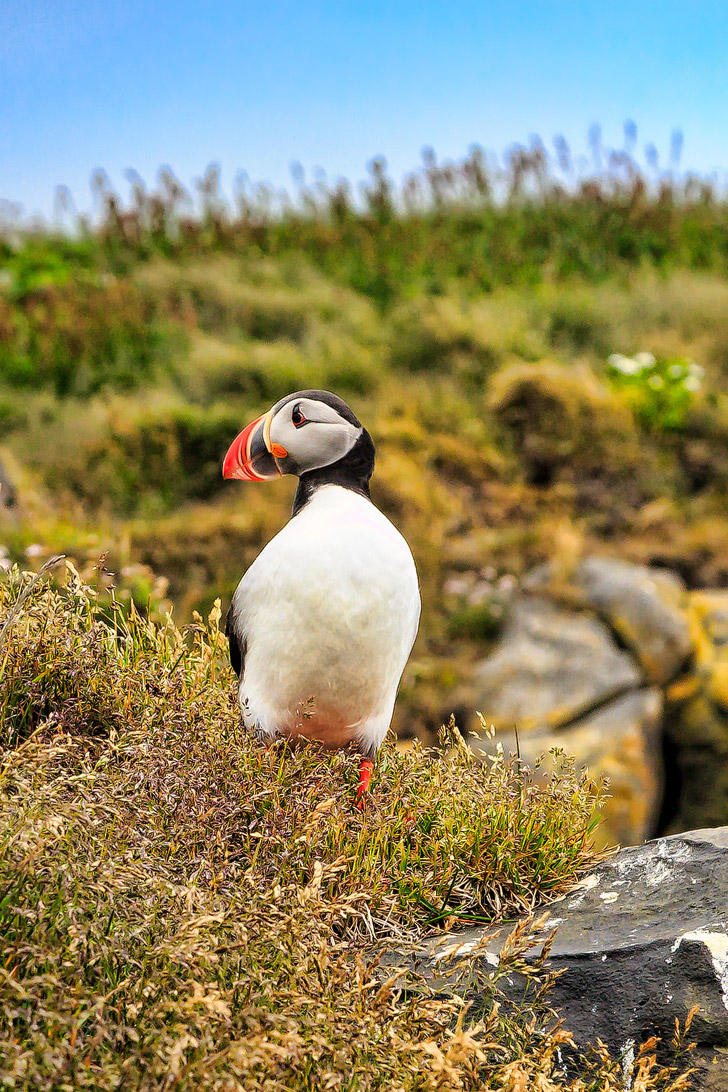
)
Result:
{"points": [[365, 776]]}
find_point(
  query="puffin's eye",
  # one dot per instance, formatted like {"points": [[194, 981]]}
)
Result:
{"points": [[297, 416]]}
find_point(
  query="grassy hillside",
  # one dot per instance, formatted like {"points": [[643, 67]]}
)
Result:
{"points": [[542, 362], [474, 319], [183, 909]]}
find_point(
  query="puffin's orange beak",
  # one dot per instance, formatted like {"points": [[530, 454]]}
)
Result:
{"points": [[249, 456]]}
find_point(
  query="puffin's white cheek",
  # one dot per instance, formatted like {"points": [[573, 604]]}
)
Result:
{"points": [[321, 445], [316, 444]]}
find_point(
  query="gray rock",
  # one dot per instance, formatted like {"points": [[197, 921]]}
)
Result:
{"points": [[641, 940], [647, 607], [550, 667]]}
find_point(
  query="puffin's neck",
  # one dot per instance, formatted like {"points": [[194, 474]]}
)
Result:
{"points": [[352, 472]]}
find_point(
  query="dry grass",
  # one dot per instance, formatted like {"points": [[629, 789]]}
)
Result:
{"points": [[181, 909]]}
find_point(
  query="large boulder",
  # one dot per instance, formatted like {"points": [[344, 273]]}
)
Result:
{"points": [[641, 940], [559, 678], [551, 666], [620, 666], [646, 607]]}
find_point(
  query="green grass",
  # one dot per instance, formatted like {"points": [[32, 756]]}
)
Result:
{"points": [[182, 908]]}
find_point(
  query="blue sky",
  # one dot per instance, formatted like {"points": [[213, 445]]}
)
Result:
{"points": [[89, 83]]}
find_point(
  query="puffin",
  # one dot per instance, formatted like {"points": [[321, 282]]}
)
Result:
{"points": [[322, 623]]}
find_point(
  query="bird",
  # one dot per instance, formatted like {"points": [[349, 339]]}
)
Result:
{"points": [[323, 621]]}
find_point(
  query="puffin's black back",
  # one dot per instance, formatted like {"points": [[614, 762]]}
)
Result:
{"points": [[236, 643]]}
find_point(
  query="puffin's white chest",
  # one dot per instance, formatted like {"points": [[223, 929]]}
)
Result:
{"points": [[329, 612]]}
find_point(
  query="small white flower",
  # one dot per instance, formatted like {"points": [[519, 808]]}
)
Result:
{"points": [[623, 364], [692, 384], [676, 371], [696, 370], [34, 550], [645, 360], [656, 382]]}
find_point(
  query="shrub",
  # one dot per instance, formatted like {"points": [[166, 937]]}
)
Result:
{"points": [[437, 336], [261, 373], [565, 425], [123, 456], [79, 337], [478, 621], [578, 323], [660, 391], [11, 414], [222, 302]]}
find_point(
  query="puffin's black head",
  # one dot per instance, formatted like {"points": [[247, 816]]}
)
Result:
{"points": [[312, 434]]}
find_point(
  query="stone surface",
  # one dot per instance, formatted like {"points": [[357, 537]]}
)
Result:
{"points": [[551, 666], [621, 741], [647, 607], [558, 676], [580, 642], [641, 940]]}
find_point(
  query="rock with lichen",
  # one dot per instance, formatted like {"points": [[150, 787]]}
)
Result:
{"points": [[647, 608], [619, 665], [642, 941]]}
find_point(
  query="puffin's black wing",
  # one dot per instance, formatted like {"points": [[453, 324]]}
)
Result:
{"points": [[237, 645]]}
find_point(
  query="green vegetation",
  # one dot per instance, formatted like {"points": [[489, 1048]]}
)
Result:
{"points": [[183, 909], [542, 361], [662, 391], [489, 368]]}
